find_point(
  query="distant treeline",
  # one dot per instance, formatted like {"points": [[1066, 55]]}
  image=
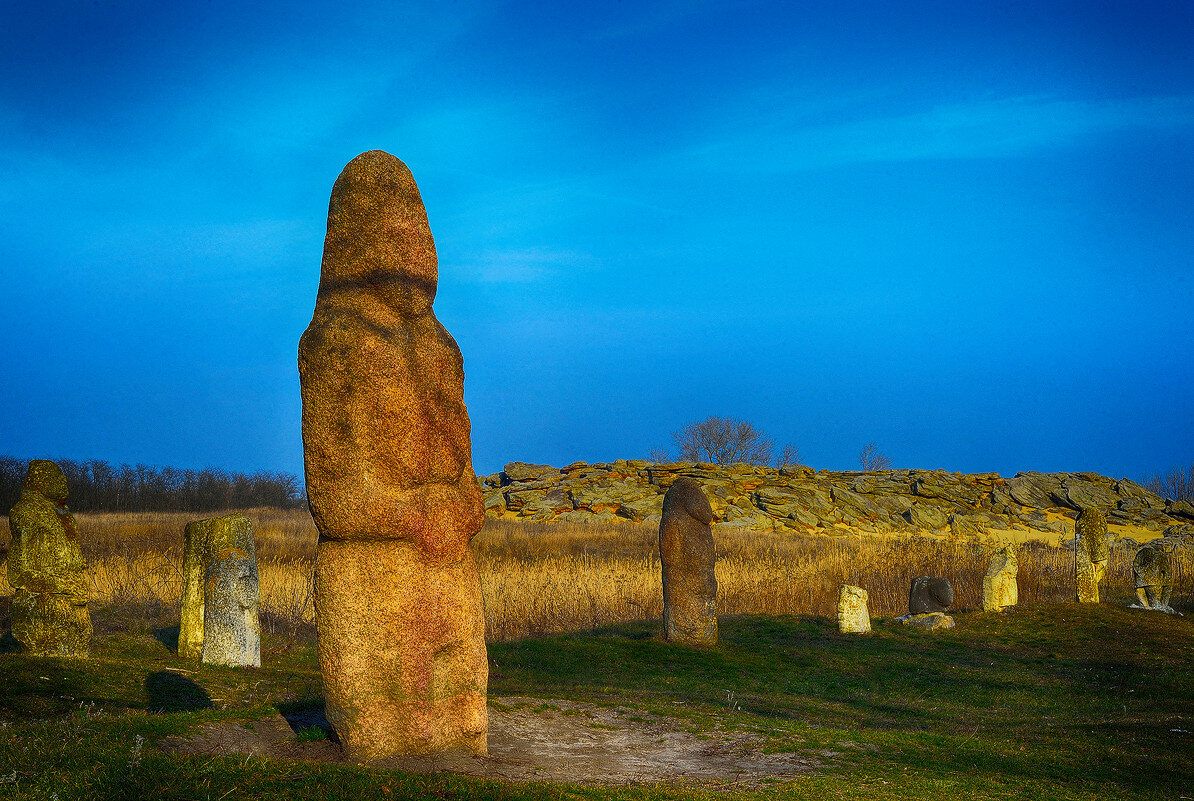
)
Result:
{"points": [[97, 486]]}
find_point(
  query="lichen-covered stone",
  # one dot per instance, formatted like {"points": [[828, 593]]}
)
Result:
{"points": [[1152, 568], [196, 551], [220, 621], [930, 594], [929, 621], [1090, 560], [46, 568], [1000, 588], [852, 614], [390, 481], [687, 559]]}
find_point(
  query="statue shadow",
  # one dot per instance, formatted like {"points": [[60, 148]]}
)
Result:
{"points": [[168, 637], [307, 715], [170, 692]]}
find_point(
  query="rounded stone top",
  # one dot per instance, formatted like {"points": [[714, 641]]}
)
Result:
{"points": [[378, 238], [46, 478], [686, 496]]}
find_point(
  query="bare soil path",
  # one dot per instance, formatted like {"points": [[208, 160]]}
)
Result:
{"points": [[536, 740]]}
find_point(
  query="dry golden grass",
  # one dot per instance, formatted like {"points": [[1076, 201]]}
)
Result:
{"points": [[546, 578]]}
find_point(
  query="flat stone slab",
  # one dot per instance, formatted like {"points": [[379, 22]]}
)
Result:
{"points": [[535, 740], [929, 621]]}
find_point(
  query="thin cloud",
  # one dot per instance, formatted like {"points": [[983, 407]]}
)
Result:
{"points": [[992, 129]]}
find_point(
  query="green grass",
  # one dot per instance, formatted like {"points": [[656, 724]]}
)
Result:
{"points": [[1053, 702]]}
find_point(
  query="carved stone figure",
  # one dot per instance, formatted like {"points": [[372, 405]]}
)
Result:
{"points": [[1152, 569], [930, 594], [1000, 590], [687, 558], [390, 482], [852, 614], [1090, 561], [46, 568]]}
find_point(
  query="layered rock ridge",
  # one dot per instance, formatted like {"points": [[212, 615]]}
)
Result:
{"points": [[802, 499]]}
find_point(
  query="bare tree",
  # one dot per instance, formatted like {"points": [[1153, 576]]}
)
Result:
{"points": [[788, 457], [871, 459], [659, 456], [1176, 485], [723, 440]]}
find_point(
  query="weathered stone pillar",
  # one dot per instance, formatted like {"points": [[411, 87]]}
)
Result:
{"points": [[853, 617], [46, 568], [1000, 589], [195, 540], [231, 633], [687, 557], [1090, 560], [390, 482]]}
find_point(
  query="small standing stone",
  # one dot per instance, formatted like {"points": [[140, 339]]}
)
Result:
{"points": [[1152, 569], [195, 558], [46, 568], [852, 614], [231, 628], [1000, 590], [930, 594], [1090, 561], [687, 557], [221, 593]]}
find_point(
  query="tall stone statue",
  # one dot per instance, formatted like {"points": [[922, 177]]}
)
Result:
{"points": [[390, 482], [221, 593], [46, 568], [687, 557], [1090, 561], [1000, 588]]}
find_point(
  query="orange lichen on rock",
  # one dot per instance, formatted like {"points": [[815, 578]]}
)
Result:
{"points": [[390, 481]]}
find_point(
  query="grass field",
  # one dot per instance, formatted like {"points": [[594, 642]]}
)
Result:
{"points": [[542, 579], [1055, 700]]}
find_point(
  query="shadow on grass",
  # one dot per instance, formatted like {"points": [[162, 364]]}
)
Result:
{"points": [[168, 636], [170, 692], [308, 719], [9, 644]]}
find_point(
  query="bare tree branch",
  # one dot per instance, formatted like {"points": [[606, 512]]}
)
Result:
{"points": [[723, 440], [871, 459]]}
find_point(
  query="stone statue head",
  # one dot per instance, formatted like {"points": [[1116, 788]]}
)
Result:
{"points": [[378, 239], [46, 478]]}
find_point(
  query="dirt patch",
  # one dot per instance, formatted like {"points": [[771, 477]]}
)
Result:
{"points": [[536, 740]]}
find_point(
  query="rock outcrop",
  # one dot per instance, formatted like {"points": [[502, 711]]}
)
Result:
{"points": [[46, 568], [1092, 552], [853, 617], [390, 482], [1000, 589], [687, 560], [801, 499]]}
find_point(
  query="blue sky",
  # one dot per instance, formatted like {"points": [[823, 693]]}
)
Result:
{"points": [[960, 230]]}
